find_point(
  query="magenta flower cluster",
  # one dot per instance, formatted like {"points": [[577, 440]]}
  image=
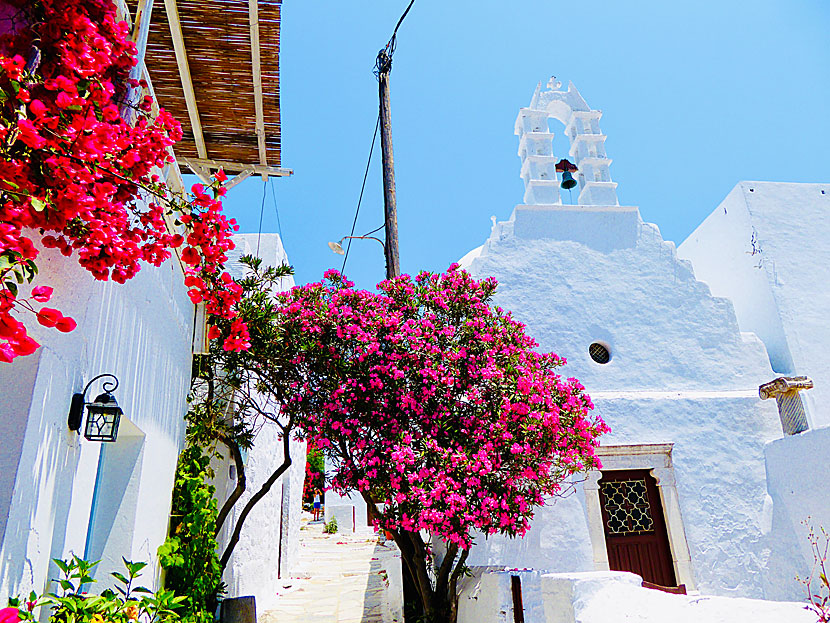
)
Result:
{"points": [[434, 404]]}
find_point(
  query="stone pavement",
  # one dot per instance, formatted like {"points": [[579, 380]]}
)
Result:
{"points": [[341, 578]]}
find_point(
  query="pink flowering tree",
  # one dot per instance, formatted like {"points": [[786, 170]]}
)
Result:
{"points": [[432, 404]]}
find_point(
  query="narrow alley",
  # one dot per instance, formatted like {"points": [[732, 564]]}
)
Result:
{"points": [[341, 578]]}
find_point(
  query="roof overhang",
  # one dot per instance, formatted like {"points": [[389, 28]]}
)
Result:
{"points": [[215, 67]]}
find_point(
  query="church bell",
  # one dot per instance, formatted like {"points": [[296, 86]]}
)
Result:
{"points": [[565, 167]]}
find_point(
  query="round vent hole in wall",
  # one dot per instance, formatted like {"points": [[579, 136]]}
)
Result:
{"points": [[599, 352]]}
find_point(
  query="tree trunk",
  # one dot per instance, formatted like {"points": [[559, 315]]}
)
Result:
{"points": [[439, 602], [256, 497], [239, 489]]}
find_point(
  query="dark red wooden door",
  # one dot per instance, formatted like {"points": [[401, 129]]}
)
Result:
{"points": [[635, 527]]}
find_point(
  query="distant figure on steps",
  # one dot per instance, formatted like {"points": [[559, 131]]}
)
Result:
{"points": [[317, 506]]}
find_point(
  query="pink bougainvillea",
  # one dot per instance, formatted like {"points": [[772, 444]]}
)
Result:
{"points": [[9, 615], [429, 402], [77, 177]]}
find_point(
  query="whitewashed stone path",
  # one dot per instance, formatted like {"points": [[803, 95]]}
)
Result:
{"points": [[340, 579]]}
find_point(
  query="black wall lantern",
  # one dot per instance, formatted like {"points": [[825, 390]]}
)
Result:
{"points": [[103, 414]]}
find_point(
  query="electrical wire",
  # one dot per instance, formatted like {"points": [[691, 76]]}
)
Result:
{"points": [[374, 230], [276, 210], [383, 63], [362, 188], [261, 212]]}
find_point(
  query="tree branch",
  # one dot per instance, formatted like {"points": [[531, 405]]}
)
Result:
{"points": [[444, 571], [420, 563], [453, 587], [256, 497], [241, 483]]}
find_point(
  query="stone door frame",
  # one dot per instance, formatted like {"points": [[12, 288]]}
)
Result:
{"points": [[656, 458]]}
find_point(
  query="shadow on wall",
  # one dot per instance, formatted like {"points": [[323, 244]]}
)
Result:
{"points": [[114, 509], [14, 407], [49, 454], [383, 597], [798, 470], [558, 539]]}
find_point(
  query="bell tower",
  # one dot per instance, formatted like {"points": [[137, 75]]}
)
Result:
{"points": [[587, 148]]}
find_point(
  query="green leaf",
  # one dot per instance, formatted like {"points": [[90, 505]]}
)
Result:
{"points": [[38, 204], [120, 577], [134, 567], [62, 565]]}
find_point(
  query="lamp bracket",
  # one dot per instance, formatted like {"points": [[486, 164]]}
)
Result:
{"points": [[76, 407], [108, 386]]}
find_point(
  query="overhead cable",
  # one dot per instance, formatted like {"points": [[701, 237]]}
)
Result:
{"points": [[360, 199]]}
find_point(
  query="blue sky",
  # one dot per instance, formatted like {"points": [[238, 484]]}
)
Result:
{"points": [[696, 96]]}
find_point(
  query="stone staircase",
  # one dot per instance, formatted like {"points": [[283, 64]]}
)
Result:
{"points": [[340, 578]]}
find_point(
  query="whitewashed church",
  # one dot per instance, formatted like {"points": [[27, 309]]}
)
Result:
{"points": [[708, 361]]}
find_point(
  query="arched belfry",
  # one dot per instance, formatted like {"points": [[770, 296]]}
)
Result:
{"points": [[587, 148]]}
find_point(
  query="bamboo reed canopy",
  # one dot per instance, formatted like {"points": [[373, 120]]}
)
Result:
{"points": [[214, 65]]}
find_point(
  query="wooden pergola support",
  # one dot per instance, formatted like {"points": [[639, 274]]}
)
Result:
{"points": [[238, 178], [256, 69], [234, 167], [184, 72]]}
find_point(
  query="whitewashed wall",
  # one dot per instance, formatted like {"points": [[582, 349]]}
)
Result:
{"points": [[605, 597], [141, 332], [798, 471], [765, 247], [349, 511], [681, 372], [269, 543]]}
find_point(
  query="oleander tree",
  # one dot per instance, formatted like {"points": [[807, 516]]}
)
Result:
{"points": [[431, 403]]}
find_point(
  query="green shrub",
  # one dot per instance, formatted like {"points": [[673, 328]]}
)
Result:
{"points": [[189, 553], [331, 526], [126, 604]]}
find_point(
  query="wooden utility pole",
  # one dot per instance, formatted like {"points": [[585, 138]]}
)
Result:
{"points": [[393, 265], [383, 66]]}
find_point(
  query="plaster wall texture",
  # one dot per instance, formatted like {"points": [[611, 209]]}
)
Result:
{"points": [[268, 546], [141, 332], [485, 595], [764, 247], [601, 597], [680, 372], [797, 477], [349, 510]]}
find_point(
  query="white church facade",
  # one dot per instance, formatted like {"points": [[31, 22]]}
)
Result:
{"points": [[700, 484]]}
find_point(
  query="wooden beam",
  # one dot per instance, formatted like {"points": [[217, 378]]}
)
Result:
{"points": [[256, 67], [122, 12], [200, 171], [236, 167], [172, 173], [237, 179], [140, 34], [184, 73]]}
